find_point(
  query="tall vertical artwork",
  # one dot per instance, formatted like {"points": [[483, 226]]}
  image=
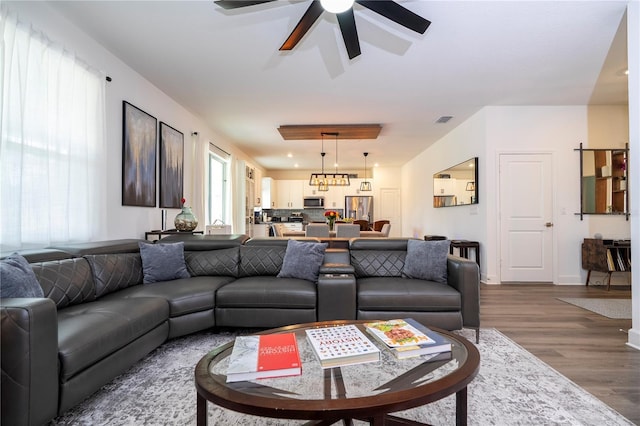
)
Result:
{"points": [[171, 166], [139, 135]]}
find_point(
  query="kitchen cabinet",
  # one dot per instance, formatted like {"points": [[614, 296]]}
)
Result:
{"points": [[292, 226], [289, 194], [260, 230], [257, 183], [268, 193], [444, 186], [311, 190], [334, 197]]}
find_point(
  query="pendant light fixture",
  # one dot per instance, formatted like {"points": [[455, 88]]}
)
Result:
{"points": [[365, 185], [329, 179]]}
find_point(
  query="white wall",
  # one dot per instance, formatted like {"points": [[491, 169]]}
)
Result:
{"points": [[556, 130], [633, 53], [126, 84], [419, 218]]}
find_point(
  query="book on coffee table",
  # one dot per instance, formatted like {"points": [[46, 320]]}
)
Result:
{"points": [[407, 338], [264, 356], [342, 345]]}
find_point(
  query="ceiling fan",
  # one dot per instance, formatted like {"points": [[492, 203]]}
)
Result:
{"points": [[346, 19]]}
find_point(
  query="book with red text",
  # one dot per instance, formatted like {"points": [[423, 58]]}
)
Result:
{"points": [[342, 345], [263, 356]]}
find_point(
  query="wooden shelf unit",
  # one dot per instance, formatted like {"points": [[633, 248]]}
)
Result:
{"points": [[607, 256]]}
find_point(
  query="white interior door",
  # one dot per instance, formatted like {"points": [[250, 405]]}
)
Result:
{"points": [[389, 209], [526, 211]]}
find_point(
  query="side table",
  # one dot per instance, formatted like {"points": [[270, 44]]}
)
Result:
{"points": [[463, 247], [158, 233]]}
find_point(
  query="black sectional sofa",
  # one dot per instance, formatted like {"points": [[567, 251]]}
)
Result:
{"points": [[97, 318]]}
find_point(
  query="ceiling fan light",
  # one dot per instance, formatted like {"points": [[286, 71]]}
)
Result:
{"points": [[336, 6]]}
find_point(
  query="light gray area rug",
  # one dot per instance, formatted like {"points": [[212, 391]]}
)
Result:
{"points": [[610, 308], [513, 387]]}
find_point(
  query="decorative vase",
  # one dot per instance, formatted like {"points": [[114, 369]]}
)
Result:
{"points": [[185, 220], [331, 222]]}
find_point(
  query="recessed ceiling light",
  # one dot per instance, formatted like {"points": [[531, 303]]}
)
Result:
{"points": [[376, 165], [295, 165], [290, 155]]}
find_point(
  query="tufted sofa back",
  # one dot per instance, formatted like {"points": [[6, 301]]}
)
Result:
{"points": [[220, 262], [112, 272], [67, 282], [378, 257], [261, 260]]}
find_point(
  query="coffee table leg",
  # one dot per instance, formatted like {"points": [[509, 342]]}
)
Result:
{"points": [[461, 407], [201, 413]]}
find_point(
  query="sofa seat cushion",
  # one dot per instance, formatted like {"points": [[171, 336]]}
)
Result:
{"points": [[406, 294], [92, 331], [267, 292], [185, 295]]}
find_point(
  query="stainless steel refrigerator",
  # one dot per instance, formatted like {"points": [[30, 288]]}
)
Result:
{"points": [[359, 207]]}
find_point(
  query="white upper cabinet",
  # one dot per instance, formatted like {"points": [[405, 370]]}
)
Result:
{"points": [[289, 194], [269, 193]]}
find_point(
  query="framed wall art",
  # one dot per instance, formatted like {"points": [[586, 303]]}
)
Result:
{"points": [[171, 166], [139, 135]]}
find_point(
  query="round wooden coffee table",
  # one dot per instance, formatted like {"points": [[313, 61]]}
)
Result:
{"points": [[364, 391]]}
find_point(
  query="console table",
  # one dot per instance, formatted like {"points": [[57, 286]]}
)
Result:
{"points": [[158, 233], [607, 256]]}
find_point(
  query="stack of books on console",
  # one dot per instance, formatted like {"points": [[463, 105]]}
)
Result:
{"points": [[407, 338], [342, 345]]}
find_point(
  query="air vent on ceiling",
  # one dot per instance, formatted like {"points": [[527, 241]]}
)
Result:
{"points": [[444, 119]]}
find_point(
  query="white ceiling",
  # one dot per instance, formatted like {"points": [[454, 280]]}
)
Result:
{"points": [[225, 67]]}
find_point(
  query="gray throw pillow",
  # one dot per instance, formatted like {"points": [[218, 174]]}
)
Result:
{"points": [[162, 262], [302, 260], [17, 279], [426, 260]]}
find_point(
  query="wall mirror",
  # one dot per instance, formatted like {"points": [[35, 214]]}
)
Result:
{"points": [[457, 185], [603, 181]]}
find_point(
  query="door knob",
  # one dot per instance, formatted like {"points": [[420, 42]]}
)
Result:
{"points": [[548, 224]]}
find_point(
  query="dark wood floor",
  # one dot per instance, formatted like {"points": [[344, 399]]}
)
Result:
{"points": [[586, 347]]}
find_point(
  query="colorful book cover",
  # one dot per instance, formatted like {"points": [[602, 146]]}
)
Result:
{"points": [[434, 343], [397, 333], [342, 345], [263, 356]]}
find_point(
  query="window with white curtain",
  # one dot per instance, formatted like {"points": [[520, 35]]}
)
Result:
{"points": [[218, 187], [52, 152]]}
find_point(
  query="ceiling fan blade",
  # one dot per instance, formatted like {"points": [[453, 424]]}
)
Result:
{"points": [[347, 23], [310, 16], [234, 4], [398, 14]]}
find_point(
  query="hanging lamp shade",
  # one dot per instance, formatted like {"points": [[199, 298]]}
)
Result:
{"points": [[365, 185], [329, 179]]}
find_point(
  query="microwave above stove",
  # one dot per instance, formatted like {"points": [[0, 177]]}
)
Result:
{"points": [[313, 202]]}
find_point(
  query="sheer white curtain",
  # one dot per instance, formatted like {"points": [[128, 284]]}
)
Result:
{"points": [[52, 152]]}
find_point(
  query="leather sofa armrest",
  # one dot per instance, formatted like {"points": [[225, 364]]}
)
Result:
{"points": [[336, 268], [336, 296], [29, 359], [464, 276]]}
